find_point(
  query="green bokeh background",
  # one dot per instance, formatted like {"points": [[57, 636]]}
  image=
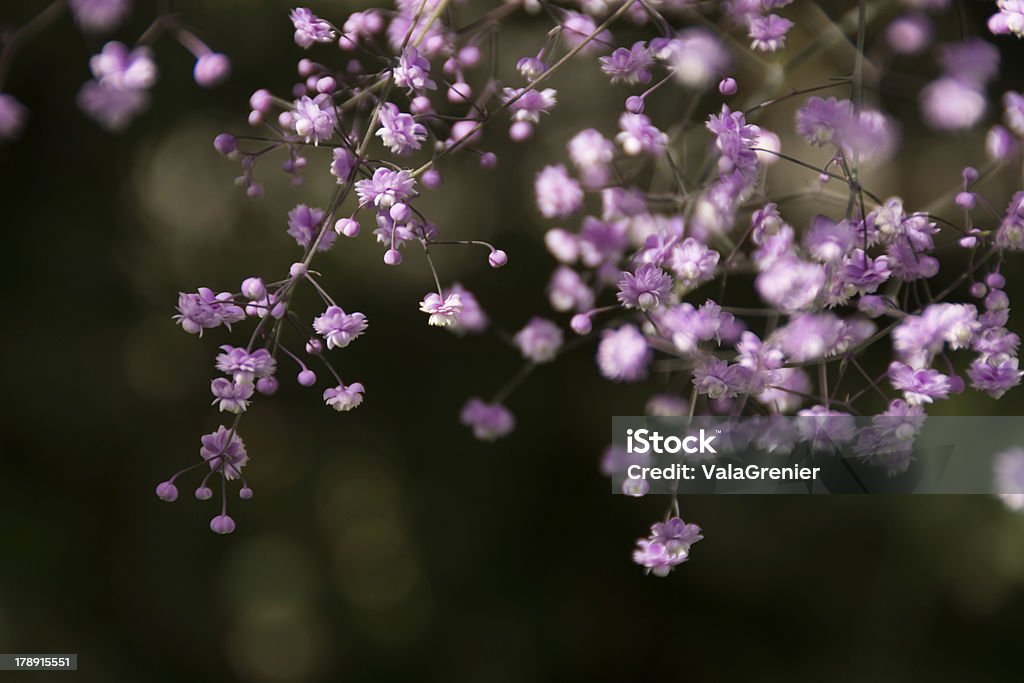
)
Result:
{"points": [[386, 544]]}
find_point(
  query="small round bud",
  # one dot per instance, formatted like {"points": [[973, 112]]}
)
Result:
{"points": [[928, 266], [298, 90], [212, 69], [469, 56], [266, 385], [255, 118], [635, 104], [222, 524], [978, 290], [225, 143], [372, 21], [347, 227], [254, 190], [970, 174], [306, 67], [520, 130], [637, 488], [307, 377], [450, 66], [488, 160], [347, 42], [253, 288], [1000, 144], [965, 200], [400, 212], [995, 280], [245, 493], [727, 86], [956, 384], [421, 105], [498, 258], [261, 100], [392, 257], [297, 270], [431, 179], [327, 84], [968, 242], [434, 44], [167, 491], [581, 323], [459, 92], [314, 347], [997, 300], [204, 493]]}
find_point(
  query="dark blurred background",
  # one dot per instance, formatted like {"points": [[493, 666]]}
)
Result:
{"points": [[386, 544]]}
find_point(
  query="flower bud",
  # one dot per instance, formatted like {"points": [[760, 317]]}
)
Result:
{"points": [[245, 493], [266, 385], [203, 493], [498, 258], [347, 227], [392, 257], [167, 491], [635, 104], [226, 144], [253, 288], [581, 324], [212, 69], [222, 524], [727, 86]]}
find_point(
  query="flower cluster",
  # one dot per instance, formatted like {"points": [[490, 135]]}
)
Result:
{"points": [[122, 75], [676, 255]]}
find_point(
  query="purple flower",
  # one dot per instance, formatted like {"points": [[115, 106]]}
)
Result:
{"points": [[244, 366], [113, 108], [919, 386], [339, 328], [12, 117], [342, 164], [656, 558], [994, 375], [639, 136], [791, 285], [1009, 19], [399, 132], [810, 336], [529, 104], [99, 16], [688, 326], [489, 421], [385, 188], [442, 312], [825, 429], [304, 223], [828, 241], [413, 72], [578, 27], [1011, 231], [628, 65], [734, 138], [225, 451], [693, 262], [974, 61], [715, 378], [1008, 467], [310, 28], [472, 319], [648, 288], [591, 153], [558, 195], [768, 33], [951, 104], [567, 291], [1013, 111], [540, 340], [821, 121], [211, 69], [205, 309], [623, 355], [344, 398], [313, 119], [864, 274], [909, 34], [696, 56], [119, 67], [231, 396], [676, 534]]}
